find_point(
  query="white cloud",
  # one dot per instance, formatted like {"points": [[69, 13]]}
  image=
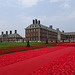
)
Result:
{"points": [[64, 17], [46, 20], [60, 0], [19, 3], [66, 4], [63, 4], [55, 0], [28, 3]]}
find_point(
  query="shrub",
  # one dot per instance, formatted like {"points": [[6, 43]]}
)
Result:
{"points": [[47, 41], [51, 41], [56, 41], [28, 45], [63, 41]]}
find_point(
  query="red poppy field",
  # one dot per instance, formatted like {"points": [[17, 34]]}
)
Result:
{"points": [[19, 56], [57, 60], [64, 65]]}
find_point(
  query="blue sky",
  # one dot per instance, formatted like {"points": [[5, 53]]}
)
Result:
{"points": [[18, 14]]}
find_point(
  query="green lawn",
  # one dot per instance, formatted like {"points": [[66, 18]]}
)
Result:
{"points": [[5, 50], [7, 44]]}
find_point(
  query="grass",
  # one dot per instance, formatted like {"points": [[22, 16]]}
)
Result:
{"points": [[7, 44]]}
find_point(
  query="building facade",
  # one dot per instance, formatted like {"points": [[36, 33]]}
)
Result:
{"points": [[70, 36], [11, 37], [39, 32]]}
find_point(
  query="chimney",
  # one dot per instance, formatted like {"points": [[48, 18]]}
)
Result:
{"points": [[50, 27], [57, 29], [6, 32], [2, 33], [33, 21], [10, 32], [38, 22], [15, 31], [62, 31]]}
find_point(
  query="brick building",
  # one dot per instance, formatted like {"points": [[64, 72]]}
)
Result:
{"points": [[11, 37], [70, 36], [39, 32]]}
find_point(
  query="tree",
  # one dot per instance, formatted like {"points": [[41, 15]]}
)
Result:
{"points": [[56, 41], [28, 45], [63, 40], [47, 41], [51, 40]]}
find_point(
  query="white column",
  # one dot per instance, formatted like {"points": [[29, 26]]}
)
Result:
{"points": [[59, 35]]}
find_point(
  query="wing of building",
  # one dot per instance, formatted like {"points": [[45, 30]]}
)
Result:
{"points": [[15, 37], [70, 35], [39, 32]]}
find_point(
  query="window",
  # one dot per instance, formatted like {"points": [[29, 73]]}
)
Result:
{"points": [[34, 34], [34, 38], [31, 38], [31, 30], [34, 30], [31, 35]]}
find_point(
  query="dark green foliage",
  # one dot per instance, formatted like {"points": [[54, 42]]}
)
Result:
{"points": [[56, 41], [63, 41], [28, 45], [47, 41], [51, 41]]}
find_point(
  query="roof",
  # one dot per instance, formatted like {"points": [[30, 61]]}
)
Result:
{"points": [[31, 26], [12, 35], [39, 26], [70, 33]]}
